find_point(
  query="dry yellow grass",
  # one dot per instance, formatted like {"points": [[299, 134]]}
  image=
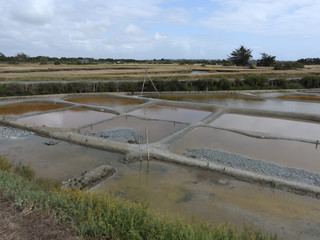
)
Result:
{"points": [[33, 72]]}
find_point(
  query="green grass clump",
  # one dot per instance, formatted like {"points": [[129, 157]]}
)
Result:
{"points": [[95, 216]]}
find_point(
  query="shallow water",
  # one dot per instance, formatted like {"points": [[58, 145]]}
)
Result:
{"points": [[248, 102], [71, 118], [61, 161], [300, 98], [156, 129], [106, 101], [286, 153], [206, 196], [197, 195], [23, 108], [274, 126], [169, 113]]}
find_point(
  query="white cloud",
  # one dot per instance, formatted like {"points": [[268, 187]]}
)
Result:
{"points": [[32, 11], [133, 29], [269, 17], [159, 36]]}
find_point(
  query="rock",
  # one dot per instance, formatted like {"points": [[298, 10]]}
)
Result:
{"points": [[91, 178]]}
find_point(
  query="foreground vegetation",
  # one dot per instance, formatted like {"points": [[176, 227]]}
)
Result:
{"points": [[94, 216]]}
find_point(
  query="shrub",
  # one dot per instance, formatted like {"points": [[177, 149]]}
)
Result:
{"points": [[311, 81], [255, 80]]}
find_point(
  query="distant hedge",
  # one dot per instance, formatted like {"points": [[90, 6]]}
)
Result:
{"points": [[248, 82]]}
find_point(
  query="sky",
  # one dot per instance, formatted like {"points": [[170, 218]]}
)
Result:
{"points": [[154, 29]]}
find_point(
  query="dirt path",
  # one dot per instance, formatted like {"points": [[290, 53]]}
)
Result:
{"points": [[18, 224]]}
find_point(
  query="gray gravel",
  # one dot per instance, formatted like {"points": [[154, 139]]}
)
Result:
{"points": [[9, 132], [120, 135], [253, 165]]}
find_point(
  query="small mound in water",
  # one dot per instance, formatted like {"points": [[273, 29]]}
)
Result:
{"points": [[253, 165], [121, 135], [89, 179], [9, 132]]}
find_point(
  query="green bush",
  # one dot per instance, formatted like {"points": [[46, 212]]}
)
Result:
{"points": [[254, 80], [311, 81]]}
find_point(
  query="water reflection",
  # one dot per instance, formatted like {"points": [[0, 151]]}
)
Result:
{"points": [[274, 126], [172, 113], [61, 160], [206, 196], [71, 118], [248, 102], [286, 153]]}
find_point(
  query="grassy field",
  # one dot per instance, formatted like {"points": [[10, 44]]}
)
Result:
{"points": [[34, 72]]}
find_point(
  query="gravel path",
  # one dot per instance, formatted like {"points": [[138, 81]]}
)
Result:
{"points": [[253, 165], [13, 132]]}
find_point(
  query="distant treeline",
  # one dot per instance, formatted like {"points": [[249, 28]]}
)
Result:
{"points": [[249, 82], [24, 58], [309, 61]]}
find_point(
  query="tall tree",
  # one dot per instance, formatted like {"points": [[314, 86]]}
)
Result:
{"points": [[21, 57], [2, 57], [240, 56], [266, 60]]}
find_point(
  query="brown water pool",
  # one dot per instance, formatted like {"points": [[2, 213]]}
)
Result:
{"points": [[169, 113], [23, 108], [300, 97], [70, 118], [106, 101], [275, 126], [156, 129], [61, 161], [286, 153], [237, 101], [206, 196]]}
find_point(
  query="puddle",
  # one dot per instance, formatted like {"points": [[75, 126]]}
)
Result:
{"points": [[285, 153], [156, 129], [205, 196], [199, 71], [106, 101], [274, 126], [169, 113], [248, 102], [60, 161], [300, 98], [71, 118], [23, 108]]}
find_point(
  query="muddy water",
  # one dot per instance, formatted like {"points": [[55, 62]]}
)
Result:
{"points": [[71, 118], [300, 98], [22, 108], [169, 113], [205, 196], [285, 153], [61, 161], [247, 102], [105, 101], [274, 126], [156, 129]]}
